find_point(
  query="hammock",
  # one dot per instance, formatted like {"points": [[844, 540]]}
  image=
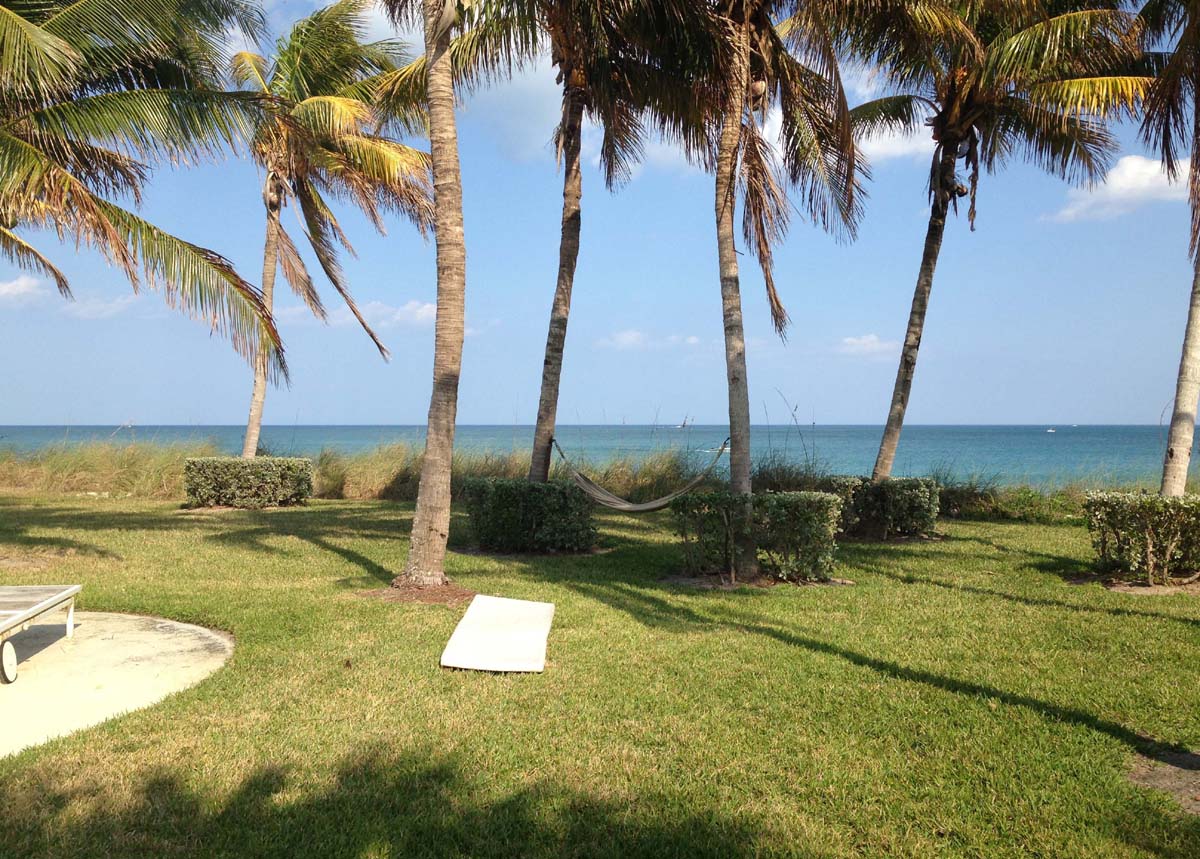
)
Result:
{"points": [[606, 499]]}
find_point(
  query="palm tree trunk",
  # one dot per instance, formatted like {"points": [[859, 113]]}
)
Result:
{"points": [[916, 318], [258, 397], [431, 522], [568, 255], [1187, 392], [745, 552]]}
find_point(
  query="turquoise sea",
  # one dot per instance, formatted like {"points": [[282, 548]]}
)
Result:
{"points": [[1007, 454]]}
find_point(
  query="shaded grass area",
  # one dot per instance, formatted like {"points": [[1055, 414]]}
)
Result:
{"points": [[962, 699]]}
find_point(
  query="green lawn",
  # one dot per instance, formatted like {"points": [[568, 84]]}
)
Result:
{"points": [[962, 700]]}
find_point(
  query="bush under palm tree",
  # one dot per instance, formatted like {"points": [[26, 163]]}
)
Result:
{"points": [[780, 56]]}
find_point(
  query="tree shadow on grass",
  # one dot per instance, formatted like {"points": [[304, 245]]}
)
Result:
{"points": [[717, 614], [1065, 566], [16, 524], [1036, 602], [379, 804]]}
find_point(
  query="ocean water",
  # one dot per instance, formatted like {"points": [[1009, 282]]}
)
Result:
{"points": [[1006, 454]]}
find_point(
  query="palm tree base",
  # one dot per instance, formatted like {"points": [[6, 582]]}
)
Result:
{"points": [[409, 579]]}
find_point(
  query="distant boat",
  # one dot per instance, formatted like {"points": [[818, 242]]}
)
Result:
{"points": [[1052, 429], [683, 425]]}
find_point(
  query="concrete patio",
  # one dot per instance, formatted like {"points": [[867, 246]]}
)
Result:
{"points": [[114, 663]]}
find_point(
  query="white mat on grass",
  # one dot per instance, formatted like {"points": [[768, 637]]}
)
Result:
{"points": [[498, 634]]}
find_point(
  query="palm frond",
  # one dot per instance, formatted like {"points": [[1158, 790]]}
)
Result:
{"points": [[24, 255], [1087, 41], [174, 124], [321, 228], [201, 284], [1118, 96], [765, 211], [297, 276], [33, 59], [890, 114], [250, 69], [330, 116]]}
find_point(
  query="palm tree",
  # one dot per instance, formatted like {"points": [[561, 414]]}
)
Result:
{"points": [[609, 59], [610, 63], [1170, 99], [1029, 79], [317, 140], [89, 92], [790, 67], [431, 521]]}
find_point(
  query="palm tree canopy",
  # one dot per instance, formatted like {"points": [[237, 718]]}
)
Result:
{"points": [[609, 53], [90, 92], [1033, 79], [790, 56], [322, 138], [662, 64]]}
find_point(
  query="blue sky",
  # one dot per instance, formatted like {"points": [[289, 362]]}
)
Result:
{"points": [[1065, 306]]}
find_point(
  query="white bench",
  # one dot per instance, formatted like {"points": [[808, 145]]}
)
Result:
{"points": [[20, 606]]}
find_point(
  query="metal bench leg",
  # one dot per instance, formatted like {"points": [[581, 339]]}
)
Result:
{"points": [[71, 619]]}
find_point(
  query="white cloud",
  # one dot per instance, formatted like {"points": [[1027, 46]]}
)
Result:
{"points": [[412, 313], [522, 114], [895, 144], [868, 344], [21, 290], [624, 340], [1132, 182], [98, 308], [861, 82], [631, 340], [293, 313]]}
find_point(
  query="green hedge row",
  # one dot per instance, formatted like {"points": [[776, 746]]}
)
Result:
{"points": [[514, 515], [897, 507], [264, 481], [1152, 536], [794, 531]]}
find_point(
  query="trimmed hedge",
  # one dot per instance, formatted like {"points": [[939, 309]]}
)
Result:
{"points": [[898, 506], [513, 515], [846, 488], [264, 481], [794, 531], [1152, 536]]}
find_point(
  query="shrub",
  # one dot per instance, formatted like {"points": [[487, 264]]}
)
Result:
{"points": [[1154, 537], [847, 489], [710, 523], [900, 506], [794, 531], [514, 515], [227, 481]]}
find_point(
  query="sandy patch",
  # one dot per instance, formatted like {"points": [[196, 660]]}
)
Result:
{"points": [[1177, 773]]}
